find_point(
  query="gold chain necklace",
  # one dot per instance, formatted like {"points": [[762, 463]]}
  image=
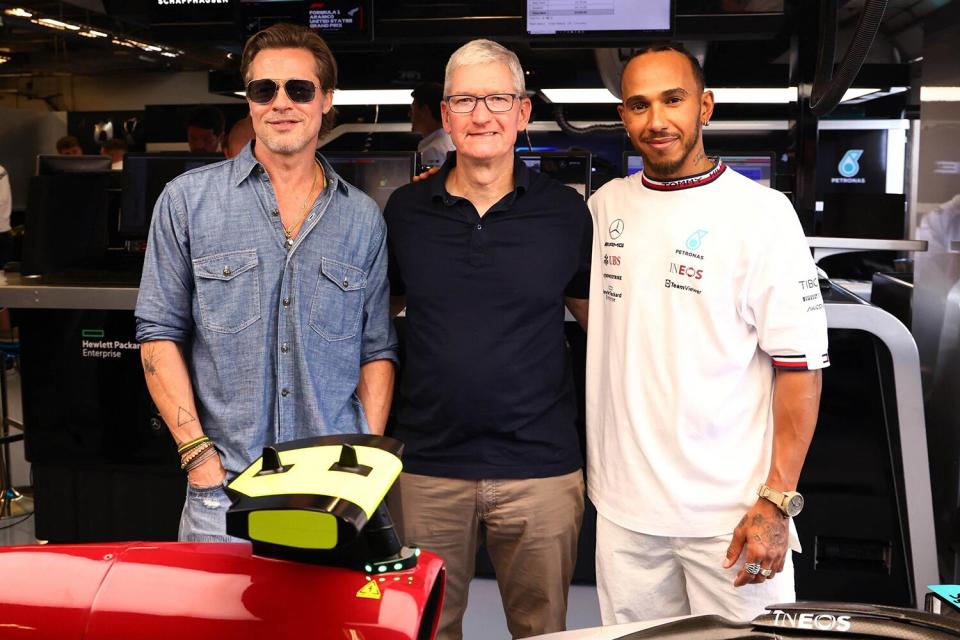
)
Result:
{"points": [[304, 210]]}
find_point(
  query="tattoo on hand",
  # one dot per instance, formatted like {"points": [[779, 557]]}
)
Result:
{"points": [[771, 534], [184, 417], [149, 360]]}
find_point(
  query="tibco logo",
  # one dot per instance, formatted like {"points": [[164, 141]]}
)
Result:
{"points": [[813, 621]]}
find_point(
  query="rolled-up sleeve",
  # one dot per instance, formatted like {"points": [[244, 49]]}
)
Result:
{"points": [[379, 340], [165, 300]]}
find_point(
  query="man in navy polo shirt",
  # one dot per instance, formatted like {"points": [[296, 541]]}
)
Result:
{"points": [[484, 256]]}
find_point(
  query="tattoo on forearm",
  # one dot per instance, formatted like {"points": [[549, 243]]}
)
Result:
{"points": [[184, 417], [149, 360]]}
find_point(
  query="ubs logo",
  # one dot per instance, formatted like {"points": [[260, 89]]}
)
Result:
{"points": [[613, 261], [616, 229]]}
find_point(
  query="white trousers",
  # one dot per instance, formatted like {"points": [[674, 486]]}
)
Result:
{"points": [[643, 577]]}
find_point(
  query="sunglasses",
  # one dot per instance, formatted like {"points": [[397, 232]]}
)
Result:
{"points": [[264, 91]]}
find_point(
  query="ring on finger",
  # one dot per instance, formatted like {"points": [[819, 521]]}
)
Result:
{"points": [[753, 568], [766, 573]]}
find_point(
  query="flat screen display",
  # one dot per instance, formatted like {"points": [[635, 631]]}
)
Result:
{"points": [[376, 174], [603, 19], [48, 165], [572, 168], [144, 177], [341, 21]]}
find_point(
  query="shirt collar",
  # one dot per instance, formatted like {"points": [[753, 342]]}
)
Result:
{"points": [[246, 163], [438, 182], [688, 182]]}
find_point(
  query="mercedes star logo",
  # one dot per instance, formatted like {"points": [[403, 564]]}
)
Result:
{"points": [[616, 228]]}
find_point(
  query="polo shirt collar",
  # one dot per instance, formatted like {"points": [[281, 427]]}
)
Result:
{"points": [[438, 183]]}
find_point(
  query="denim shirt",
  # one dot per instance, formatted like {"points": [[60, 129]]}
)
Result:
{"points": [[274, 333]]}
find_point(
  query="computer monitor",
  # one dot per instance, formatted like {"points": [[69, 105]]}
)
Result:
{"points": [[632, 163], [376, 174], [572, 168], [609, 21], [756, 166], [54, 164], [144, 177]]}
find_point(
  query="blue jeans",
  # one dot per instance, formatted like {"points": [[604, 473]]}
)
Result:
{"points": [[204, 517]]}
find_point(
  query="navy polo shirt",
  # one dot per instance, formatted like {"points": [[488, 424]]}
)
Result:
{"points": [[486, 390]]}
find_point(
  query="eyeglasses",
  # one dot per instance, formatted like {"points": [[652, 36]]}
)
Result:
{"points": [[264, 91], [495, 102]]}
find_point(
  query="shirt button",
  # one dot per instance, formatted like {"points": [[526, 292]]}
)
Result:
{"points": [[226, 271], [284, 347], [346, 283], [275, 212], [284, 392], [479, 226], [286, 302], [289, 242]]}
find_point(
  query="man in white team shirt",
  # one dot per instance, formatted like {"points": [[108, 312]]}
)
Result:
{"points": [[706, 336]]}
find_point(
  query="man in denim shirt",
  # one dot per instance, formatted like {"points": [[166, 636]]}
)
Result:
{"points": [[263, 308]]}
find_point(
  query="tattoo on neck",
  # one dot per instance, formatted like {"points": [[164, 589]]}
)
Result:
{"points": [[700, 157]]}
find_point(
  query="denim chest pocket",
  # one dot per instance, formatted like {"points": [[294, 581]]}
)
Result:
{"points": [[228, 290], [338, 300]]}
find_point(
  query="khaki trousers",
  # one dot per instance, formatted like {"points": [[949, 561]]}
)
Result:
{"points": [[530, 528]]}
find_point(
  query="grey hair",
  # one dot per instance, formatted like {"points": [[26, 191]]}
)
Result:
{"points": [[485, 52]]}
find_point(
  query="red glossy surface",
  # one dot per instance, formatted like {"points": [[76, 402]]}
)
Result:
{"points": [[186, 590]]}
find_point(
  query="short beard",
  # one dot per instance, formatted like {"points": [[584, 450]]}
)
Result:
{"points": [[284, 148], [668, 168]]}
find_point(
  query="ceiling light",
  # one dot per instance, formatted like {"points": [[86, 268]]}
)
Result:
{"points": [[580, 96], [939, 94], [721, 94], [755, 95], [4, 59], [56, 24], [169, 54], [90, 33], [17, 12], [353, 97]]}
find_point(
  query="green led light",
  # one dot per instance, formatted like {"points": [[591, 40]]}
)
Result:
{"points": [[416, 552], [367, 568], [382, 569], [397, 567]]}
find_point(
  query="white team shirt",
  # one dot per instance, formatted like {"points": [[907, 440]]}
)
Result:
{"points": [[433, 148], [6, 201], [698, 289]]}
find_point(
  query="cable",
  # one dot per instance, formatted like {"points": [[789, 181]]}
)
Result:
{"points": [[18, 522]]}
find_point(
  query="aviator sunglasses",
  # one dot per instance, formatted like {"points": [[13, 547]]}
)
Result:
{"points": [[263, 91]]}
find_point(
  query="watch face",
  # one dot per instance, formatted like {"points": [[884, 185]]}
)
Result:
{"points": [[795, 505]]}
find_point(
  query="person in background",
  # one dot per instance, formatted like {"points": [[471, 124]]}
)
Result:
{"points": [[241, 133], [69, 146], [115, 148], [6, 206], [263, 311], [707, 335], [425, 119], [485, 255], [205, 127]]}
